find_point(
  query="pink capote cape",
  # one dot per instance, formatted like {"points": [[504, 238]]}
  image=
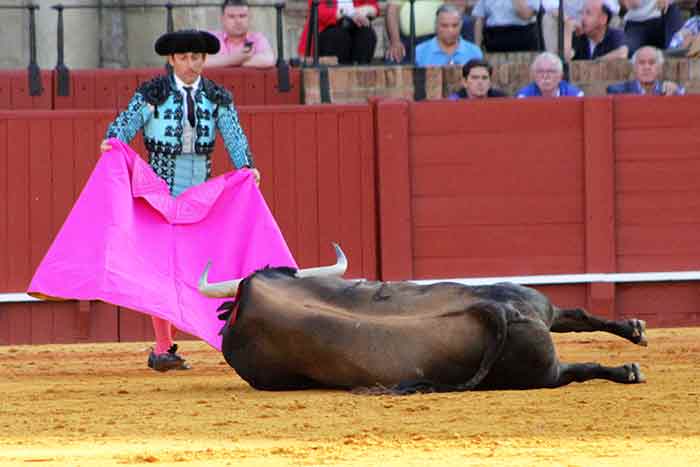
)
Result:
{"points": [[128, 242]]}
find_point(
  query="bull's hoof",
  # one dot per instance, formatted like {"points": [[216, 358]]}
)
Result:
{"points": [[639, 335], [634, 374]]}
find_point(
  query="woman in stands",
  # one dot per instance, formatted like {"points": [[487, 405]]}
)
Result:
{"points": [[345, 31]]}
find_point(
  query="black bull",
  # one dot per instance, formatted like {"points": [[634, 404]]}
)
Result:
{"points": [[289, 333]]}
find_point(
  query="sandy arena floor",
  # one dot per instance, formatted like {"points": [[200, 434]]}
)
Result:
{"points": [[98, 405]]}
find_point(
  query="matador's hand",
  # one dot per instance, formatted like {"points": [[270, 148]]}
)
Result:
{"points": [[256, 174], [105, 146]]}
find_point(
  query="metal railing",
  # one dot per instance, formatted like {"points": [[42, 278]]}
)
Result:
{"points": [[33, 73], [62, 71]]}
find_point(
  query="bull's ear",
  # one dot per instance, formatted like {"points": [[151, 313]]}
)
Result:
{"points": [[338, 269]]}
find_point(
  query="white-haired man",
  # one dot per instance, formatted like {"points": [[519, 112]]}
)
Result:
{"points": [[547, 72], [648, 62]]}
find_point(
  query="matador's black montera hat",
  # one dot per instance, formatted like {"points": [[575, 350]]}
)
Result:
{"points": [[187, 40]]}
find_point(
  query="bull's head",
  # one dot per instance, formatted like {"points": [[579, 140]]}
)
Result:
{"points": [[230, 288]]}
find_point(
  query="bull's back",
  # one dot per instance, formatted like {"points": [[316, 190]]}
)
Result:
{"points": [[286, 336]]}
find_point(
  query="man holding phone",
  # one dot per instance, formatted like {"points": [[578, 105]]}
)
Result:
{"points": [[240, 46]]}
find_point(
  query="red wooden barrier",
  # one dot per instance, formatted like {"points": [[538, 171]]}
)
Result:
{"points": [[14, 91], [462, 188], [657, 208], [112, 89], [317, 166], [545, 187]]}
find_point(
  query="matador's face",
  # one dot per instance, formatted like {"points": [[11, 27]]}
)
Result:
{"points": [[187, 66]]}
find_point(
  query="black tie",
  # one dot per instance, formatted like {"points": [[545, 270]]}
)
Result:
{"points": [[190, 105]]}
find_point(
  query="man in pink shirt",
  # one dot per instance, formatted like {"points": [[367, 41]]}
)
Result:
{"points": [[239, 46]]}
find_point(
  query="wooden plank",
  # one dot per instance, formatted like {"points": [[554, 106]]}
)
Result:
{"points": [[259, 127], [491, 266], [306, 181], [40, 190], [506, 209], [678, 239], [4, 324], [674, 207], [5, 91], [85, 146], [448, 117], [516, 241], [286, 177], [104, 322], [657, 111], [5, 156], [126, 84], [662, 304], [105, 90], [62, 171], [20, 323], [521, 148], [657, 262], [564, 296], [19, 85], [66, 324], [18, 181], [41, 323], [599, 191], [20, 98], [134, 326], [656, 143], [394, 190], [350, 181], [556, 178], [657, 176], [367, 189], [329, 200], [84, 87], [273, 96]]}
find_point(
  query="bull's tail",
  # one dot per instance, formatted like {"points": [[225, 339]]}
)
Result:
{"points": [[496, 317]]}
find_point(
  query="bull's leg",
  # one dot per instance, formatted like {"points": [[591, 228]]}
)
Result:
{"points": [[580, 372], [578, 320]]}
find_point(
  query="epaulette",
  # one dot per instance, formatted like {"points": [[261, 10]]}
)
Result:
{"points": [[155, 91], [215, 93]]}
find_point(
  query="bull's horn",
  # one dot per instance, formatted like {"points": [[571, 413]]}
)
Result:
{"points": [[338, 269], [218, 289]]}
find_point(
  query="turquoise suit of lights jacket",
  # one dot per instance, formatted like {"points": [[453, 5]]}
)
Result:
{"points": [[157, 108]]}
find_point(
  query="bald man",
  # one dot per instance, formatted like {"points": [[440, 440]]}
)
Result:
{"points": [[598, 40]]}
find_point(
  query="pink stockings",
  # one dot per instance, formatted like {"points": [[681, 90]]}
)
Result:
{"points": [[164, 335]]}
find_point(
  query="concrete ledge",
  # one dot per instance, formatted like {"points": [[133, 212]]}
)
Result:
{"points": [[511, 71]]}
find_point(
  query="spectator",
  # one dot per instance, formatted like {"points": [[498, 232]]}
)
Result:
{"points": [[647, 63], [547, 71], [240, 46], [398, 25], [476, 82], [573, 11], [345, 30], [506, 25], [650, 22], [447, 47], [179, 114], [686, 38], [597, 39]]}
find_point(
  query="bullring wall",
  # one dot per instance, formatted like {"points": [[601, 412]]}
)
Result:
{"points": [[411, 190]]}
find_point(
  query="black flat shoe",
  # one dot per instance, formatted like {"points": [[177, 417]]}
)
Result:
{"points": [[167, 361]]}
